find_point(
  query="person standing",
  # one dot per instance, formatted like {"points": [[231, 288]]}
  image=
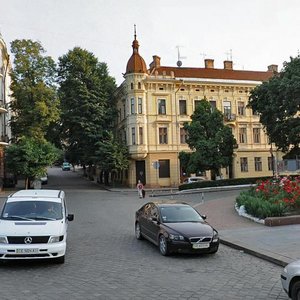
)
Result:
{"points": [[140, 188]]}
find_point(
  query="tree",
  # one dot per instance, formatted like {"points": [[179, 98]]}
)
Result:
{"points": [[212, 142], [30, 157], [35, 103], [34, 108], [116, 155], [87, 111], [278, 103]]}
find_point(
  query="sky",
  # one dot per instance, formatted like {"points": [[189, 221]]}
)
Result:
{"points": [[254, 34]]}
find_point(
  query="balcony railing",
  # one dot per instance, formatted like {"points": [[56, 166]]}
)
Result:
{"points": [[229, 117]]}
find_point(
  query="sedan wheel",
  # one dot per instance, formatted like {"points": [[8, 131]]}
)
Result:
{"points": [[296, 291], [138, 233], [163, 245]]}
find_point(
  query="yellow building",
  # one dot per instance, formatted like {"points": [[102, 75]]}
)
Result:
{"points": [[155, 102], [4, 100]]}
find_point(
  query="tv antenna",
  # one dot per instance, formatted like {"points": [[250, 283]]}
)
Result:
{"points": [[179, 62], [229, 55]]}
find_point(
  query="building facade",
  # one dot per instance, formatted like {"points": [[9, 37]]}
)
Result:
{"points": [[155, 102], [5, 132]]}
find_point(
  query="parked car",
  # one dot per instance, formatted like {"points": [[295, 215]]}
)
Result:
{"points": [[175, 227], [194, 179], [33, 225], [290, 279], [44, 179], [66, 166]]}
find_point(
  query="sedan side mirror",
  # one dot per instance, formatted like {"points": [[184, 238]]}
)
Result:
{"points": [[70, 217], [203, 217]]}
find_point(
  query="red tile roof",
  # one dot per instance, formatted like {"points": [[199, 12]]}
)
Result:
{"points": [[211, 73]]}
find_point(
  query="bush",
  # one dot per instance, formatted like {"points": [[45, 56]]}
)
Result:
{"points": [[271, 198]]}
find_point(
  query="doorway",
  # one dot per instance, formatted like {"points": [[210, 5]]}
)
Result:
{"points": [[140, 171]]}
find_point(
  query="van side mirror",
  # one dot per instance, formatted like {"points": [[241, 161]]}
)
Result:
{"points": [[70, 217]]}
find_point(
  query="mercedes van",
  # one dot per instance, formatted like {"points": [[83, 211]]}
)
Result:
{"points": [[33, 225]]}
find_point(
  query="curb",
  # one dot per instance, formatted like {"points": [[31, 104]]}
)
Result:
{"points": [[263, 254]]}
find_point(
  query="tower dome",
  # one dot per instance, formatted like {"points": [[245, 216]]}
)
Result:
{"points": [[136, 63]]}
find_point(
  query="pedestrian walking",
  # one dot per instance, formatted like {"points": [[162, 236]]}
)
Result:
{"points": [[140, 188]]}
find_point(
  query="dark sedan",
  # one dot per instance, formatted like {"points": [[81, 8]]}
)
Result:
{"points": [[175, 227]]}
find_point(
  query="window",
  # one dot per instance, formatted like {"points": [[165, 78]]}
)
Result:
{"points": [[132, 108], [164, 168], [163, 135], [182, 107], [244, 164], [227, 109], [141, 141], [140, 105], [257, 164], [241, 108], [124, 110], [133, 135], [243, 135], [196, 103], [139, 86], [270, 163], [183, 136], [213, 104], [131, 85], [256, 135], [161, 106]]}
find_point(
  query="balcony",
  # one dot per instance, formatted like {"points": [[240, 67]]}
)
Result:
{"points": [[230, 117]]}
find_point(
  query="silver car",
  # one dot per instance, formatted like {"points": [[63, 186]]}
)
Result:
{"points": [[290, 279]]}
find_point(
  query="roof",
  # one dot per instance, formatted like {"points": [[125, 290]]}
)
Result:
{"points": [[136, 63], [211, 73], [36, 194]]}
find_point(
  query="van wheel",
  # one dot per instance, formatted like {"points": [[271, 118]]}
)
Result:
{"points": [[296, 291], [59, 260]]}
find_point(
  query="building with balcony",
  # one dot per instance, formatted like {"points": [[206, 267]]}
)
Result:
{"points": [[154, 103], [5, 132]]}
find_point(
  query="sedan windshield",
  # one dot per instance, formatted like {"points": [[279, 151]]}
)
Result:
{"points": [[175, 214], [32, 210]]}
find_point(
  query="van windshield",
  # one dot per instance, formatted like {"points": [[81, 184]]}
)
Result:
{"points": [[32, 210]]}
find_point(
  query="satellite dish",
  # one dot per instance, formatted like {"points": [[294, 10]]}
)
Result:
{"points": [[179, 63]]}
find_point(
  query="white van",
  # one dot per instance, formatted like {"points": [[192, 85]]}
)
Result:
{"points": [[33, 225]]}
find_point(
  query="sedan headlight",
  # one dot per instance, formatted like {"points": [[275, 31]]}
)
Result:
{"points": [[215, 236], [56, 239], [3, 240], [176, 237]]}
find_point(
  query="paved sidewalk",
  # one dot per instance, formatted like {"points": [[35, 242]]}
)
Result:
{"points": [[280, 244]]}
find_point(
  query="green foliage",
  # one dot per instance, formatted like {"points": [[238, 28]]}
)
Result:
{"points": [[211, 140], [115, 153], [277, 102], [271, 198], [86, 104], [35, 103], [30, 157], [259, 207]]}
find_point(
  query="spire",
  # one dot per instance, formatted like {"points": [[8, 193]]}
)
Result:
{"points": [[135, 43], [136, 63]]}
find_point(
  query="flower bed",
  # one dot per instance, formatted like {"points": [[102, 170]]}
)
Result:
{"points": [[272, 198]]}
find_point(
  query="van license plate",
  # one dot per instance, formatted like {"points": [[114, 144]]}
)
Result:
{"points": [[22, 251]]}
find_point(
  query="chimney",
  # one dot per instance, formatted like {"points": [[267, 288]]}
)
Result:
{"points": [[273, 68], [156, 62], [209, 63], [227, 64]]}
